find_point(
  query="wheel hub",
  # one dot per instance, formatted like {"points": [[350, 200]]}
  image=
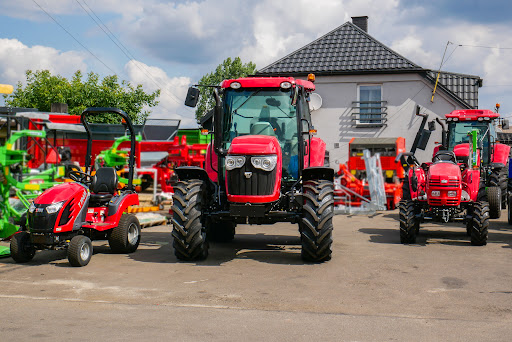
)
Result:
{"points": [[133, 234]]}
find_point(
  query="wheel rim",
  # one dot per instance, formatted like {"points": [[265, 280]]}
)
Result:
{"points": [[85, 251], [133, 234]]}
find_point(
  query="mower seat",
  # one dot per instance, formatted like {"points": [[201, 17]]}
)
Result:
{"points": [[103, 186]]}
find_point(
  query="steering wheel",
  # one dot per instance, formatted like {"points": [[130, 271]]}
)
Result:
{"points": [[76, 174], [449, 154]]}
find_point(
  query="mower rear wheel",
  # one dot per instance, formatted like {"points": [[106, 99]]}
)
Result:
{"points": [[316, 224], [494, 200], [125, 238], [79, 251], [222, 231], [479, 223], [21, 249], [189, 235], [409, 223]]}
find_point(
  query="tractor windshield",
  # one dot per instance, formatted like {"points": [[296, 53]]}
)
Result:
{"points": [[264, 111], [458, 134]]}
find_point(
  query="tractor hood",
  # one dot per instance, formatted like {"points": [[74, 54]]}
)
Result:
{"points": [[59, 193], [444, 171], [254, 145]]}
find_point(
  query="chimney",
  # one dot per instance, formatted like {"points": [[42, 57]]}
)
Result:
{"points": [[361, 22]]}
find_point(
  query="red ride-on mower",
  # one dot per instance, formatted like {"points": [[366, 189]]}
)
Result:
{"points": [[71, 215]]}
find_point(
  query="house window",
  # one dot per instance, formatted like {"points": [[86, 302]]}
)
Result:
{"points": [[369, 109]]}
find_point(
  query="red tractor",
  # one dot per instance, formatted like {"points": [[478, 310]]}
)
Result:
{"points": [[448, 188], [70, 215], [264, 166], [495, 156]]}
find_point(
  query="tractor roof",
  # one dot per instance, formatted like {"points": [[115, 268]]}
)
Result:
{"points": [[472, 114], [267, 82]]}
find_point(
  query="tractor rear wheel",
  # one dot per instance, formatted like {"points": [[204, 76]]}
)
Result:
{"points": [[21, 249], [316, 224], [494, 200], [80, 251], [221, 231], [125, 238], [409, 222], [499, 178], [189, 235], [479, 223]]}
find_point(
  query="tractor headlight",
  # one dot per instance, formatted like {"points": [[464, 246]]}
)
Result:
{"points": [[32, 208], [52, 209], [267, 163], [234, 162], [452, 193], [435, 193]]}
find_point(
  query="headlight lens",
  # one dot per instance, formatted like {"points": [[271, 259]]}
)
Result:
{"points": [[234, 162], [52, 209], [452, 193], [32, 208], [435, 193], [266, 163]]}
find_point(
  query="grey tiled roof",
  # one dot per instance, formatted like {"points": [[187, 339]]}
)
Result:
{"points": [[464, 87], [347, 49]]}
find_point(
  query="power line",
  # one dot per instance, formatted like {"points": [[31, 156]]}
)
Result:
{"points": [[486, 47], [69, 33], [125, 50]]}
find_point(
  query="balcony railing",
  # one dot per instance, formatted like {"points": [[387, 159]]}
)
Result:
{"points": [[369, 113]]}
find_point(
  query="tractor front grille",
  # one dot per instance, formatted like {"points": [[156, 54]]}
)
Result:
{"points": [[259, 183], [452, 183], [41, 221]]}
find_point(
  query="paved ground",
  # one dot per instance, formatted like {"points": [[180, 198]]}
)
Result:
{"points": [[257, 288]]}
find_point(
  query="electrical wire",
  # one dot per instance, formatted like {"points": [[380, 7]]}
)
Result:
{"points": [[76, 40], [486, 47]]}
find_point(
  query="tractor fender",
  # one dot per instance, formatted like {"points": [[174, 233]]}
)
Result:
{"points": [[318, 172], [501, 154], [117, 206], [192, 172]]}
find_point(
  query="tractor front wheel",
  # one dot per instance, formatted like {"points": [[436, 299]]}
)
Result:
{"points": [[125, 238], [316, 224], [494, 200], [80, 251], [189, 235], [479, 223], [409, 222], [21, 249]]}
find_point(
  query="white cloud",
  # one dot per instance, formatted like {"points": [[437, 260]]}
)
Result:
{"points": [[16, 58], [172, 95]]}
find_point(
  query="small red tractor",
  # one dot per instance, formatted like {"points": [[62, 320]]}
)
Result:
{"points": [[70, 215], [453, 185], [264, 166]]}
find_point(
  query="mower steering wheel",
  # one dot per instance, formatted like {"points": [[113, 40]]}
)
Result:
{"points": [[79, 176]]}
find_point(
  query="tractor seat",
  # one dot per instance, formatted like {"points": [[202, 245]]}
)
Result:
{"points": [[103, 186], [445, 156]]}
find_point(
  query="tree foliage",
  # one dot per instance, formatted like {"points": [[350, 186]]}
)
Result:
{"points": [[228, 69], [43, 89]]}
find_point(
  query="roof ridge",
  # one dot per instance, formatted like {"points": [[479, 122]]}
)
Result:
{"points": [[451, 73]]}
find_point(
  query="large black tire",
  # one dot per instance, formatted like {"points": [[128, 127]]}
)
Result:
{"points": [[509, 210], [479, 224], [21, 249], [494, 200], [406, 191], [79, 251], [125, 238], [409, 222], [499, 178], [316, 224], [221, 231], [189, 235]]}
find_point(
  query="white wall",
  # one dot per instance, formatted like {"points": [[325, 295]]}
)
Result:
{"points": [[403, 92]]}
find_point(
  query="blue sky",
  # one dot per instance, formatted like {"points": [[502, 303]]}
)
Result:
{"points": [[176, 42]]}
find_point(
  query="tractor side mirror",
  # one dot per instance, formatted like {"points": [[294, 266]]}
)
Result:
{"points": [[423, 141], [432, 126], [505, 124], [192, 97]]}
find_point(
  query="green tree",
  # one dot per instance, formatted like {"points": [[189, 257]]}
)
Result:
{"points": [[43, 89], [226, 70]]}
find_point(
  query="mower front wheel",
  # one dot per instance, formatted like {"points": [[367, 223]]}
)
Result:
{"points": [[21, 249], [79, 251], [125, 238], [409, 223], [316, 224]]}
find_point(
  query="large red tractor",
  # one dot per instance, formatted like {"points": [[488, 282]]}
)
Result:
{"points": [[70, 215], [448, 188], [495, 156], [264, 166]]}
